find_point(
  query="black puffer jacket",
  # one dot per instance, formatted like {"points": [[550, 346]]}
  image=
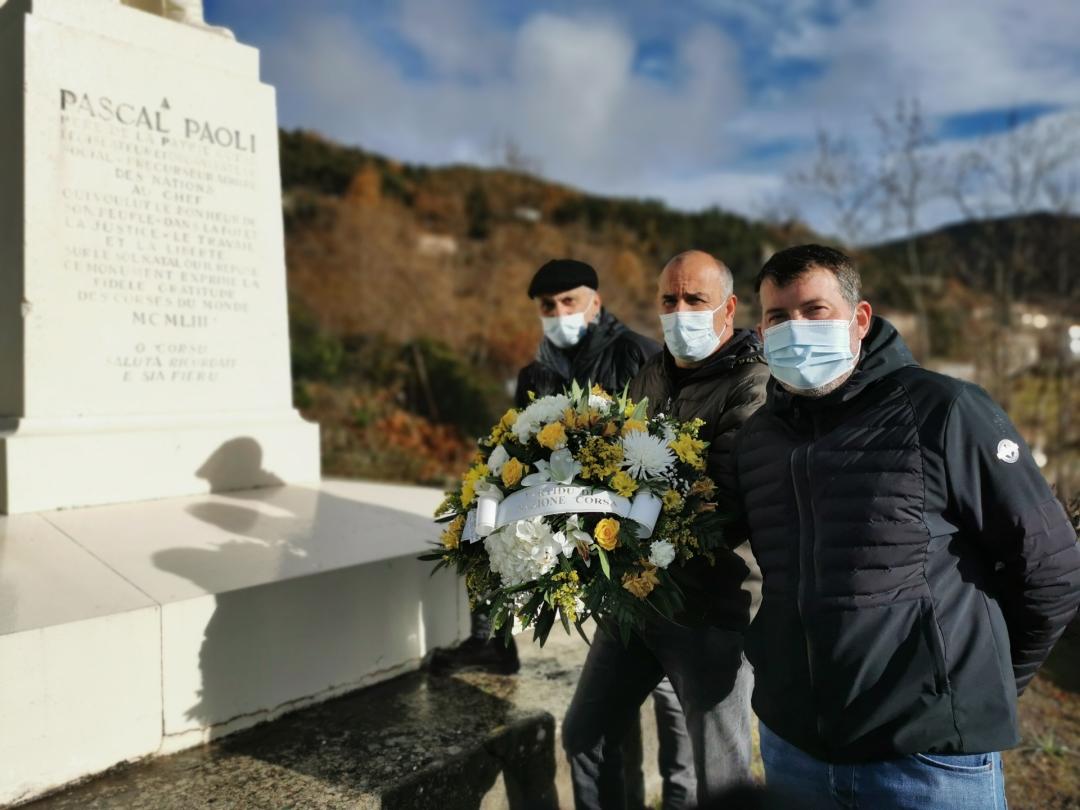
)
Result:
{"points": [[609, 355], [723, 392], [917, 568]]}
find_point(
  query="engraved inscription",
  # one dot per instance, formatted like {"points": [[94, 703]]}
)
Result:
{"points": [[158, 233]]}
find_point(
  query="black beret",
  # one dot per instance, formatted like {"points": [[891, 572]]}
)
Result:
{"points": [[560, 275]]}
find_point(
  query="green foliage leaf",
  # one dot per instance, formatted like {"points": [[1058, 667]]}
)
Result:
{"points": [[605, 564]]}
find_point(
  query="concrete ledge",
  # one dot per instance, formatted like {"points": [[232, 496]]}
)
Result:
{"points": [[145, 628], [414, 743], [476, 741]]}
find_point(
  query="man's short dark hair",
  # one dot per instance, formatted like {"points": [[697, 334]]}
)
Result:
{"points": [[789, 264]]}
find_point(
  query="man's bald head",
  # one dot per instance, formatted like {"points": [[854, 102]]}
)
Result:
{"points": [[694, 281], [703, 267]]}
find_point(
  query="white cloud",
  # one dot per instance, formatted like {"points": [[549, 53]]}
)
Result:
{"points": [[959, 56], [564, 86], [571, 79], [568, 93], [456, 39], [730, 190]]}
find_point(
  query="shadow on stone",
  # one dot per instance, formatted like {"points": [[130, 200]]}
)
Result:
{"points": [[418, 743], [294, 547], [414, 742], [237, 464]]}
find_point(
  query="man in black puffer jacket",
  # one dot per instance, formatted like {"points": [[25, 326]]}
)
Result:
{"points": [[712, 372], [582, 342], [917, 568]]}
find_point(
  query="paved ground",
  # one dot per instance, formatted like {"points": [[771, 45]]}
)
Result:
{"points": [[468, 741]]}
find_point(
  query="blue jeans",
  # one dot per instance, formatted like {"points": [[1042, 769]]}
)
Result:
{"points": [[915, 782]]}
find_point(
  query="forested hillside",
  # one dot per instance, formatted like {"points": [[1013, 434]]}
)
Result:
{"points": [[410, 319]]}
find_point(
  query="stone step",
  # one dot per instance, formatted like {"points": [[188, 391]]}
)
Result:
{"points": [[471, 740], [138, 630]]}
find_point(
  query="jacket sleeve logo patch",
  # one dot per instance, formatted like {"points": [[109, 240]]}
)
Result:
{"points": [[1008, 451]]}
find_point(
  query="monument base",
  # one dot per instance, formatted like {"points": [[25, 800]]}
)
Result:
{"points": [[71, 463], [141, 629]]}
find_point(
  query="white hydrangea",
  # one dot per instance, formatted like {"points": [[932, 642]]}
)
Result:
{"points": [[539, 413], [524, 551], [661, 553]]}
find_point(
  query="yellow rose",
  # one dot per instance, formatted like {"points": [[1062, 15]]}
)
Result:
{"points": [[552, 437], [508, 419], [511, 473], [624, 484], [607, 534], [630, 425]]}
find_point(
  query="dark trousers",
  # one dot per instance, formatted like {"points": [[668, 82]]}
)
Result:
{"points": [[713, 683]]}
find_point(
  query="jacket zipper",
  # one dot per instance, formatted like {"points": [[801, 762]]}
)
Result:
{"points": [[800, 475]]}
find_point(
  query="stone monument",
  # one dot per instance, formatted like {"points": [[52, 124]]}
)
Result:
{"points": [[188, 12], [144, 367], [143, 314]]}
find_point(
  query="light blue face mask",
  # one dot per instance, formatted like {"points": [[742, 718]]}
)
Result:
{"points": [[690, 336], [806, 354], [566, 330]]}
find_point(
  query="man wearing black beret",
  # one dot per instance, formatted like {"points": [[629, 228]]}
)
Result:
{"points": [[582, 341]]}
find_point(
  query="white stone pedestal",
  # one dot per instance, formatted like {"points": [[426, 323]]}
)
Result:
{"points": [[140, 629], [143, 324]]}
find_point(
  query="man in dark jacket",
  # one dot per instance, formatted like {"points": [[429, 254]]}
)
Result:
{"points": [[582, 341], [917, 568], [712, 372]]}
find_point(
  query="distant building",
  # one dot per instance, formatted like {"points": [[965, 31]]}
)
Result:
{"points": [[433, 244], [528, 214]]}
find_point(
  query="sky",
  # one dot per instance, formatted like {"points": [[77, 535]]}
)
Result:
{"points": [[695, 102]]}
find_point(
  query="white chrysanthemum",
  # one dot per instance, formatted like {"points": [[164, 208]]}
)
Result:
{"points": [[549, 409], [646, 456], [539, 413], [523, 551], [661, 553], [525, 428]]}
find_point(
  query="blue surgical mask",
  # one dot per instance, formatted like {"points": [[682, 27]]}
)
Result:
{"points": [[689, 335], [566, 330], [807, 354]]}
